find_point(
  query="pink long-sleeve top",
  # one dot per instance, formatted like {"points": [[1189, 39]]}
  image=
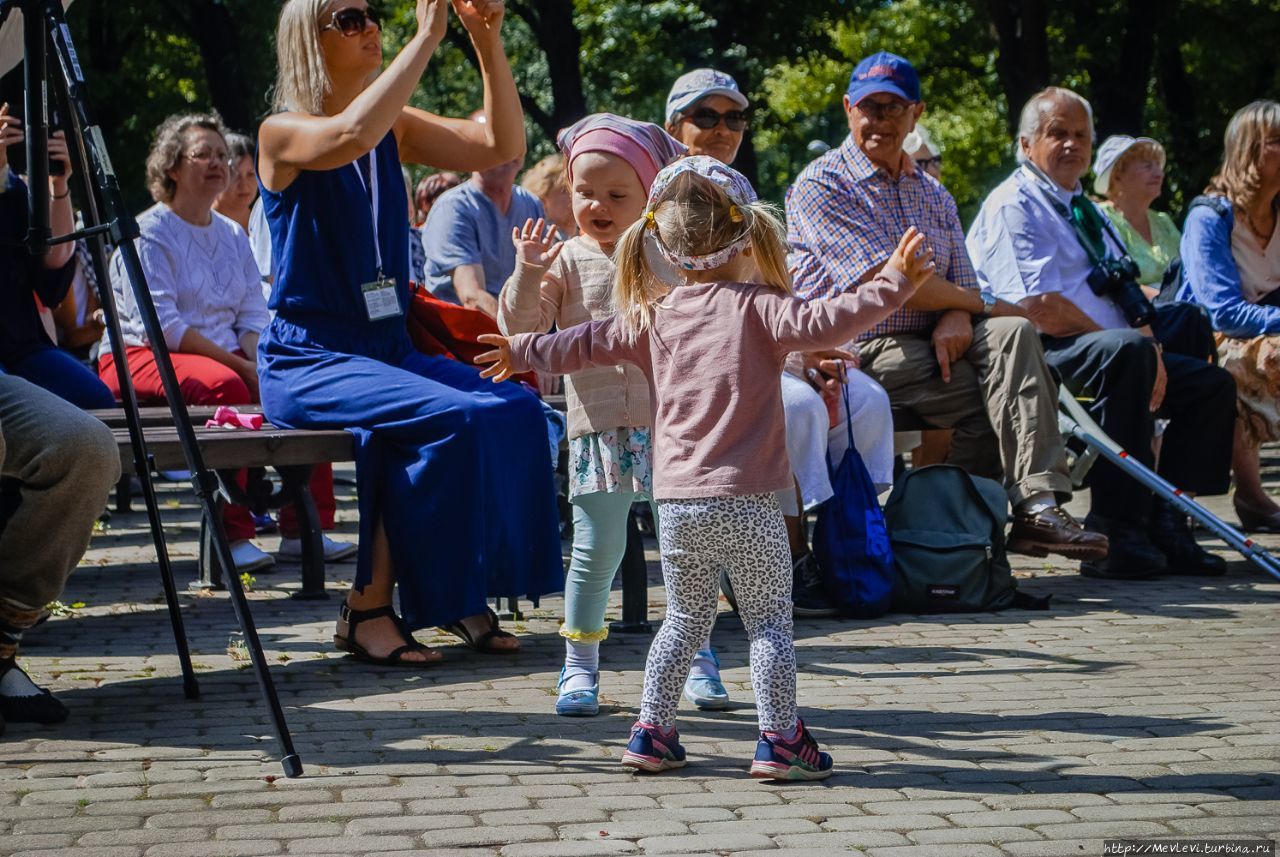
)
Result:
{"points": [[713, 360]]}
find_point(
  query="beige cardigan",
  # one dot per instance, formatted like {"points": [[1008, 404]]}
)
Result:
{"points": [[578, 287]]}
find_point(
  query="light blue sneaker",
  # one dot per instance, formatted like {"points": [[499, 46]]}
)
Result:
{"points": [[707, 692], [582, 702]]}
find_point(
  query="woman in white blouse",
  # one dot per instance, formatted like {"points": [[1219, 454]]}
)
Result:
{"points": [[206, 289]]}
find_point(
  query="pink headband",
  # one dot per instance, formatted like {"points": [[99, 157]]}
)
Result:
{"points": [[613, 143]]}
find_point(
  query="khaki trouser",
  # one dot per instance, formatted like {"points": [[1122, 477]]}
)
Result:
{"points": [[1001, 401], [57, 466]]}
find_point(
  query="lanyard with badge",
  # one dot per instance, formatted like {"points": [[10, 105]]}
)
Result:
{"points": [[380, 298]]}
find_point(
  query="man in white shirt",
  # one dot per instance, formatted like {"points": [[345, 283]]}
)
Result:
{"points": [[1038, 242]]}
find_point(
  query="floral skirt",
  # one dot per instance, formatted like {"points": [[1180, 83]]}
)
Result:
{"points": [[612, 461], [1255, 364]]}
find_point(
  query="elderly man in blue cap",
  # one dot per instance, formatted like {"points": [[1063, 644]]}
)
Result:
{"points": [[952, 357]]}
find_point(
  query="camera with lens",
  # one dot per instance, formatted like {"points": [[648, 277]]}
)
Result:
{"points": [[1117, 279]]}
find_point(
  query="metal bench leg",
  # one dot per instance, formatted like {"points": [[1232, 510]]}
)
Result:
{"points": [[296, 488], [635, 585], [211, 571]]}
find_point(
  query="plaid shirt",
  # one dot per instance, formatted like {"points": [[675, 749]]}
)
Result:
{"points": [[845, 217]]}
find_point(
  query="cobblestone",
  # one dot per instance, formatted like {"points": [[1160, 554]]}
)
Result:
{"points": [[1126, 710]]}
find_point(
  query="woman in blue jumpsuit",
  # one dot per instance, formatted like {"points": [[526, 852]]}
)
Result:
{"points": [[455, 487]]}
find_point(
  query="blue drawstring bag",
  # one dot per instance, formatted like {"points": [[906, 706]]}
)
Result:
{"points": [[850, 540]]}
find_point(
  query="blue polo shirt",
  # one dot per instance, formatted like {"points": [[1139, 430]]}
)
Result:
{"points": [[466, 228]]}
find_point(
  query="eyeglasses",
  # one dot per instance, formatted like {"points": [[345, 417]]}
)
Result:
{"points": [[353, 21], [706, 119], [204, 156], [925, 163], [882, 109]]}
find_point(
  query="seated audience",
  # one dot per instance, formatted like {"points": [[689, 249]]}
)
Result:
{"points": [[1231, 259], [546, 180], [57, 466], [1129, 175], [206, 289], [708, 113], [1039, 241], [429, 190], [26, 348], [78, 319], [467, 236], [951, 357]]}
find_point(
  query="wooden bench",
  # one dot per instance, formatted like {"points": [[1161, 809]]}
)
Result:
{"points": [[292, 453]]}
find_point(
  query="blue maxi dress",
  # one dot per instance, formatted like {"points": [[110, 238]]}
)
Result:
{"points": [[454, 465]]}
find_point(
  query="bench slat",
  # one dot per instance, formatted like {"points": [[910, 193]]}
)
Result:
{"points": [[227, 449]]}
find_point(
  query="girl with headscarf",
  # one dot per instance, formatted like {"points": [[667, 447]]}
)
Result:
{"points": [[610, 162]]}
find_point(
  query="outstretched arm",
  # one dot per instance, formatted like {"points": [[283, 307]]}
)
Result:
{"points": [[583, 346]]}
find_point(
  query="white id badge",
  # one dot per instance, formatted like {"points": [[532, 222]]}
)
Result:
{"points": [[380, 299]]}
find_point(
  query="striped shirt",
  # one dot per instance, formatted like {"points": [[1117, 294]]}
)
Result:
{"points": [[845, 217]]}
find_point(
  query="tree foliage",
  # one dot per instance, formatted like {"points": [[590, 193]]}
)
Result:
{"points": [[1175, 71]]}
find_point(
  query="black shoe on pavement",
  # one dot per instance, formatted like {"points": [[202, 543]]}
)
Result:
{"points": [[1170, 533], [808, 595], [1131, 555]]}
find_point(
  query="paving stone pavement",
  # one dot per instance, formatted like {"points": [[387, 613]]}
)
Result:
{"points": [[1127, 710]]}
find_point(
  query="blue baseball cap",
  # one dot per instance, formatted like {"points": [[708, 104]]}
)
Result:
{"points": [[884, 72]]}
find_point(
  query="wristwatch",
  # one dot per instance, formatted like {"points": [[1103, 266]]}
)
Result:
{"points": [[988, 304]]}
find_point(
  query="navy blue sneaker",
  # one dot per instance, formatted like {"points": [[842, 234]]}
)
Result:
{"points": [[791, 760], [650, 751]]}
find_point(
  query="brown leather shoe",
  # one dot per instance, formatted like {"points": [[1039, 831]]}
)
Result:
{"points": [[1053, 530]]}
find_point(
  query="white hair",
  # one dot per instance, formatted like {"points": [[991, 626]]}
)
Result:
{"points": [[1041, 105]]}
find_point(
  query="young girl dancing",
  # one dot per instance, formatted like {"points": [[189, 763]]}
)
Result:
{"points": [[712, 349], [611, 162]]}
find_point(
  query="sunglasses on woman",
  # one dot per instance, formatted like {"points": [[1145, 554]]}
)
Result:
{"points": [[352, 21], [706, 119]]}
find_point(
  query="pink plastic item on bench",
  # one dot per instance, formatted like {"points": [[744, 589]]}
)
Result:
{"points": [[231, 418]]}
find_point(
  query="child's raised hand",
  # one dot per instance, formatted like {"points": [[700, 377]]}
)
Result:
{"points": [[536, 244], [913, 257], [499, 359]]}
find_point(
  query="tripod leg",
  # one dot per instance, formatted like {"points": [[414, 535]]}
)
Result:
{"points": [[124, 231]]}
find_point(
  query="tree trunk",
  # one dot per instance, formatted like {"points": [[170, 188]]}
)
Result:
{"points": [[210, 25], [1023, 58], [1120, 82], [552, 24]]}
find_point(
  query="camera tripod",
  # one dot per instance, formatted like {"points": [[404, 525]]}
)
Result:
{"points": [[45, 27]]}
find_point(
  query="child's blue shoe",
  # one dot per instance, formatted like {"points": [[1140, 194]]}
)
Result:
{"points": [[791, 760], [707, 691], [651, 751], [580, 702]]}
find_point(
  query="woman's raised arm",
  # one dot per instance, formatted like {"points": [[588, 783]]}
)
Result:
{"points": [[293, 141], [461, 144]]}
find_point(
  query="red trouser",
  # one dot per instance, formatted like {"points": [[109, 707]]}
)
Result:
{"points": [[205, 381]]}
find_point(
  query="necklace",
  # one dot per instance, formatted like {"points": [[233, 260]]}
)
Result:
{"points": [[1263, 235]]}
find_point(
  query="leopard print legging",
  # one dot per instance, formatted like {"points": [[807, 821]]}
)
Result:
{"points": [[744, 536]]}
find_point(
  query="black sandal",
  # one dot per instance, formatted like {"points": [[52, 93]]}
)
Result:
{"points": [[43, 707], [482, 642], [396, 658]]}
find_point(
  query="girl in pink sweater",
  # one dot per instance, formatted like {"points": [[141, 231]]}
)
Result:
{"points": [[711, 348]]}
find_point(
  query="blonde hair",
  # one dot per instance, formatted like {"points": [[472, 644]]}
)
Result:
{"points": [[1144, 150], [302, 78], [166, 150], [1237, 178], [693, 217], [545, 176]]}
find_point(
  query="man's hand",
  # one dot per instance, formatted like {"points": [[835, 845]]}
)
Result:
{"points": [[952, 336], [10, 134], [825, 370], [1162, 380], [1055, 315]]}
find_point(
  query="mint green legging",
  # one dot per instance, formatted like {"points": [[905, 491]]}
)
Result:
{"points": [[599, 542]]}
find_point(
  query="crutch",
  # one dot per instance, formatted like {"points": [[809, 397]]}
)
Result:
{"points": [[1074, 421]]}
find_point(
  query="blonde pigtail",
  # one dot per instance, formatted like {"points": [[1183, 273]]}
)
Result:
{"points": [[769, 244], [635, 288]]}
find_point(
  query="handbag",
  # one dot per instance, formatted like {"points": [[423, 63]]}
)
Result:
{"points": [[850, 541]]}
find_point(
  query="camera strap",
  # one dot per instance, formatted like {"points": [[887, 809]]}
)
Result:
{"points": [[1086, 221]]}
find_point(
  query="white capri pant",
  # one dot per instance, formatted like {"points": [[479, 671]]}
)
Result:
{"points": [[809, 440]]}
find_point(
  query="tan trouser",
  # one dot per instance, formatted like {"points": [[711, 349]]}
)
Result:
{"points": [[1001, 401], [58, 465]]}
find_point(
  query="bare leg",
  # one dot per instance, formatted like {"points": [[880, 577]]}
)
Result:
{"points": [[380, 636], [1250, 495]]}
